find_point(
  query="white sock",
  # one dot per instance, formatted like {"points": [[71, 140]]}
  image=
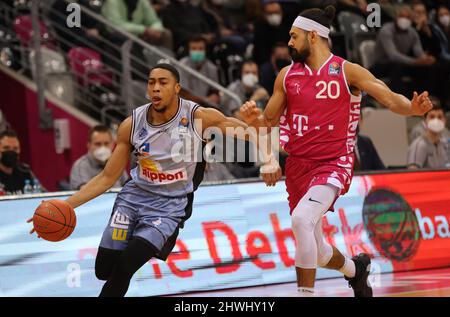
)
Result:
{"points": [[349, 268], [306, 291]]}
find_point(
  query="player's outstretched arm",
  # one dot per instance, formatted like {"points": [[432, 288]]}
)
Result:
{"points": [[112, 171], [252, 115], [212, 118], [362, 79]]}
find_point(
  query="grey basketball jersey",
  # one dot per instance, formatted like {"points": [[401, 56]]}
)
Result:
{"points": [[166, 153]]}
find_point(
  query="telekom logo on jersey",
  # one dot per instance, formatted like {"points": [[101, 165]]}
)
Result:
{"points": [[300, 123]]}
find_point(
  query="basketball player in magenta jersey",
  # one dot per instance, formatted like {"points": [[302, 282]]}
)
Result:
{"points": [[316, 103]]}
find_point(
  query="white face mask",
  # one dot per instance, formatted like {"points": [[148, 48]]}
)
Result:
{"points": [[102, 153], [404, 23], [445, 20], [249, 80], [436, 125], [274, 19]]}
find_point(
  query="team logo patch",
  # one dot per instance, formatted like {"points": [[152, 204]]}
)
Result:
{"points": [[183, 125], [120, 223], [184, 122], [142, 134], [144, 149], [334, 69]]}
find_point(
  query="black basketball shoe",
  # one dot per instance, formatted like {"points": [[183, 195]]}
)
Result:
{"points": [[360, 283]]}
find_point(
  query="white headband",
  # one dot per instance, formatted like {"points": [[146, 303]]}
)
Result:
{"points": [[310, 25]]}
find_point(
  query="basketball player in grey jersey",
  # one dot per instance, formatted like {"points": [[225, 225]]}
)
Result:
{"points": [[153, 205]]}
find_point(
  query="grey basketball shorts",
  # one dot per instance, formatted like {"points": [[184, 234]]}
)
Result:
{"points": [[139, 213]]}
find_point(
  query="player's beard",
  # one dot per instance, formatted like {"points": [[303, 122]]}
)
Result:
{"points": [[300, 57]]}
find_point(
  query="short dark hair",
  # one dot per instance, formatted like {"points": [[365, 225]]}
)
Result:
{"points": [[417, 2], [436, 107], [267, 2], [99, 128], [8, 133], [402, 7], [445, 6], [279, 45], [324, 17], [248, 62], [169, 68], [197, 38]]}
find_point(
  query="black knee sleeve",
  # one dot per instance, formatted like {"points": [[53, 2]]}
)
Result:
{"points": [[105, 261], [136, 254]]}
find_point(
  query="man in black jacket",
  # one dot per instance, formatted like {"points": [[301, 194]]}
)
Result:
{"points": [[185, 20], [13, 174], [366, 155], [269, 30]]}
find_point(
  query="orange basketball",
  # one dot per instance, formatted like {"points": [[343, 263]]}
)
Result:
{"points": [[54, 220]]}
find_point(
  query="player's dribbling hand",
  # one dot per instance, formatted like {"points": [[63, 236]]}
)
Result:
{"points": [[420, 104], [32, 230], [249, 112]]}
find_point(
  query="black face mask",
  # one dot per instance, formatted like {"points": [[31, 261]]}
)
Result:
{"points": [[280, 63], [9, 158]]}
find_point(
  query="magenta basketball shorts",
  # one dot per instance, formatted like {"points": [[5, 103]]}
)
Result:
{"points": [[302, 174]]}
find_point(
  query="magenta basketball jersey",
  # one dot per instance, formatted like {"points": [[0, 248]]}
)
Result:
{"points": [[322, 115]]}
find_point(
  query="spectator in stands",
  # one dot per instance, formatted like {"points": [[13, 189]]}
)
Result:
{"points": [[13, 173], [358, 7], [443, 20], [88, 35], [158, 5], [388, 10], [253, 10], [421, 127], [100, 146], [185, 18], [291, 9], [269, 30], [441, 27], [247, 88], [430, 38], [366, 155], [434, 4], [232, 24], [399, 53], [430, 150], [193, 88], [269, 70], [139, 18]]}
